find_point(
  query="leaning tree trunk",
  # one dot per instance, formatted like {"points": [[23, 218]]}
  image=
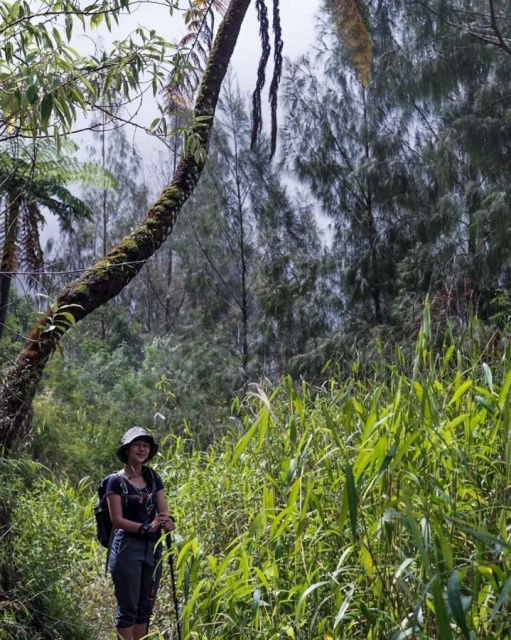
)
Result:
{"points": [[8, 263], [108, 276]]}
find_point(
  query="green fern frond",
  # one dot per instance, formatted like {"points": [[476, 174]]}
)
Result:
{"points": [[61, 202], [46, 162]]}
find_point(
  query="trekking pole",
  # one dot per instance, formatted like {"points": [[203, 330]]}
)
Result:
{"points": [[173, 579]]}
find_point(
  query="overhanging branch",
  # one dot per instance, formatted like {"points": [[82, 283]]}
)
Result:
{"points": [[111, 274]]}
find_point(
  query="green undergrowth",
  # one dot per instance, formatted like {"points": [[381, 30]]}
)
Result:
{"points": [[362, 508], [374, 509]]}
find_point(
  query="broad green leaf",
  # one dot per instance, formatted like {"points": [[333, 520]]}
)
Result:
{"points": [[442, 617], [256, 601], [445, 547], [96, 20], [344, 607], [32, 94], [351, 492], [460, 391], [488, 376], [243, 443], [366, 559], [46, 108], [69, 27], [306, 593], [503, 596], [504, 390]]}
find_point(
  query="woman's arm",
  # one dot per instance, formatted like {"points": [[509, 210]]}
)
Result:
{"points": [[166, 520], [120, 522]]}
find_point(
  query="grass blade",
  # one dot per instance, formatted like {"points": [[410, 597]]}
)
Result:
{"points": [[454, 597]]}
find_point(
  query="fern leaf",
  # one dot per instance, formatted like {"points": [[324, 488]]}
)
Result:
{"points": [[189, 65], [353, 27]]}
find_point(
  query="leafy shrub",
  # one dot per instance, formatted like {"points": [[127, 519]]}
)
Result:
{"points": [[52, 548]]}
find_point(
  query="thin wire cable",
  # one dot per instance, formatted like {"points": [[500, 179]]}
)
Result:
{"points": [[62, 273], [15, 333]]}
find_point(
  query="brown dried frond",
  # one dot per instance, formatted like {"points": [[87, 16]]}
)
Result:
{"points": [[30, 241], [188, 39], [200, 24], [353, 27]]}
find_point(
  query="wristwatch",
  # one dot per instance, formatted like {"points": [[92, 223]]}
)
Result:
{"points": [[144, 528]]}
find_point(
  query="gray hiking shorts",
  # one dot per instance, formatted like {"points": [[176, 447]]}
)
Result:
{"points": [[135, 566]]}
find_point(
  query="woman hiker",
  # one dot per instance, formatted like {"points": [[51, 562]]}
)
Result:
{"points": [[138, 510]]}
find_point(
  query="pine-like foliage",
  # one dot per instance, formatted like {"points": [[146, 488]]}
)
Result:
{"points": [[346, 143], [352, 24]]}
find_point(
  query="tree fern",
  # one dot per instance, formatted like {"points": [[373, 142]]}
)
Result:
{"points": [[30, 183]]}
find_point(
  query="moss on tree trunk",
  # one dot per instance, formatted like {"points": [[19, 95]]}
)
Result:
{"points": [[111, 274]]}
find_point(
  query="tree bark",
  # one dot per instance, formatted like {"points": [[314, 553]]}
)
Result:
{"points": [[108, 276]]}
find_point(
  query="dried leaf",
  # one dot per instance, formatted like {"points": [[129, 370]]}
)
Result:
{"points": [[353, 28]]}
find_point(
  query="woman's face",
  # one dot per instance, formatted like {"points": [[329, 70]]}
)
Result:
{"points": [[139, 450]]}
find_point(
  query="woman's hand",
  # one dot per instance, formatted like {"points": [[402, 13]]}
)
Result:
{"points": [[162, 521], [166, 522]]}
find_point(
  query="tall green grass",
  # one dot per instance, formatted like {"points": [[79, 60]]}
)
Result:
{"points": [[359, 509], [374, 507]]}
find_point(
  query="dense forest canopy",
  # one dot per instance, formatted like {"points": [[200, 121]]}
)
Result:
{"points": [[312, 313]]}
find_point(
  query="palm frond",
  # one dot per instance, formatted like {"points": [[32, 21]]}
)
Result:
{"points": [[352, 24]]}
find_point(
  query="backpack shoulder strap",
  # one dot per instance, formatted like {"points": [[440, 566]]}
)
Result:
{"points": [[124, 486], [153, 478], [124, 498]]}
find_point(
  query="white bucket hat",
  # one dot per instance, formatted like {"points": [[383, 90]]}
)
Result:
{"points": [[132, 434]]}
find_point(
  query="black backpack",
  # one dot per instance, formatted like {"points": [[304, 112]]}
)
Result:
{"points": [[101, 513]]}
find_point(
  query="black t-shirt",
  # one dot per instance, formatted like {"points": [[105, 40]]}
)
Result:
{"points": [[138, 505]]}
